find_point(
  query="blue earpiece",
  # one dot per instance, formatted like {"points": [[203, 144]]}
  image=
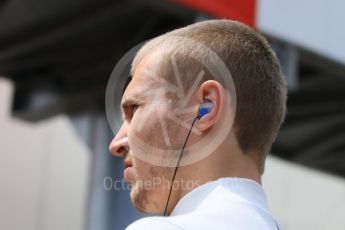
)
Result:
{"points": [[205, 108]]}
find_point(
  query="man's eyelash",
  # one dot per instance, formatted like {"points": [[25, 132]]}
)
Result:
{"points": [[134, 106], [128, 111]]}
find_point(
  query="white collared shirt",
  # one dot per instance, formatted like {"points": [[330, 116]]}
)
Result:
{"points": [[227, 203]]}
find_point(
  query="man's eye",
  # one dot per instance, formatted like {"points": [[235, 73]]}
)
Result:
{"points": [[134, 108], [129, 110]]}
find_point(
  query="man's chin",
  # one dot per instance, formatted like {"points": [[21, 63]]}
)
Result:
{"points": [[139, 198], [141, 201]]}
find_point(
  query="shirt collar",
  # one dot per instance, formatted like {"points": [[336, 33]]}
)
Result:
{"points": [[248, 189]]}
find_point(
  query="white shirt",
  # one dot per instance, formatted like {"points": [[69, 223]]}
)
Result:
{"points": [[228, 203]]}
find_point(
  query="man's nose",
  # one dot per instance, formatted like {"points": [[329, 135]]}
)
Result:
{"points": [[119, 145]]}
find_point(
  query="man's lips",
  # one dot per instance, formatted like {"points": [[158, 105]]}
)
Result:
{"points": [[127, 163], [127, 170]]}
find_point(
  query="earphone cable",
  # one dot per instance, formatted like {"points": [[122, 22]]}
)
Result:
{"points": [[177, 165]]}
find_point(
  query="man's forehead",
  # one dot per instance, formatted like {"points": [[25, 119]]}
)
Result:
{"points": [[141, 84], [147, 80]]}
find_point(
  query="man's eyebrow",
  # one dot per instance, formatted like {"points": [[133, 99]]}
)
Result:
{"points": [[129, 100]]}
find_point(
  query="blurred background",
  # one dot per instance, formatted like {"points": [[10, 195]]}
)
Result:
{"points": [[56, 57]]}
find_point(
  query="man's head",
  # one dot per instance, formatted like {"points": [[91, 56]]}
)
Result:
{"points": [[149, 101]]}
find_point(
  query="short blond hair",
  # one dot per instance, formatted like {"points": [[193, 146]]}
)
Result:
{"points": [[255, 69]]}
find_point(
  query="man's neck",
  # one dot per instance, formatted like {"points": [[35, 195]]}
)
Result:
{"points": [[210, 169]]}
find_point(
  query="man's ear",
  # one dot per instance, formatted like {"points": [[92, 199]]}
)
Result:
{"points": [[213, 92]]}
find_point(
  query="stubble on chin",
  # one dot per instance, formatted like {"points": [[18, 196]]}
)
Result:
{"points": [[139, 197], [151, 199]]}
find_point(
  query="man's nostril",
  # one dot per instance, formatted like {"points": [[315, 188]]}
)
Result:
{"points": [[121, 149]]}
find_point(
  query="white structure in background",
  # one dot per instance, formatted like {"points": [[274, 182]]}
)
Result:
{"points": [[302, 198], [316, 25], [44, 172]]}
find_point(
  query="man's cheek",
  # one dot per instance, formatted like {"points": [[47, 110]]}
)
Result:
{"points": [[148, 131], [142, 171]]}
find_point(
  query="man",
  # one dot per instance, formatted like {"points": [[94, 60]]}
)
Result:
{"points": [[222, 188]]}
